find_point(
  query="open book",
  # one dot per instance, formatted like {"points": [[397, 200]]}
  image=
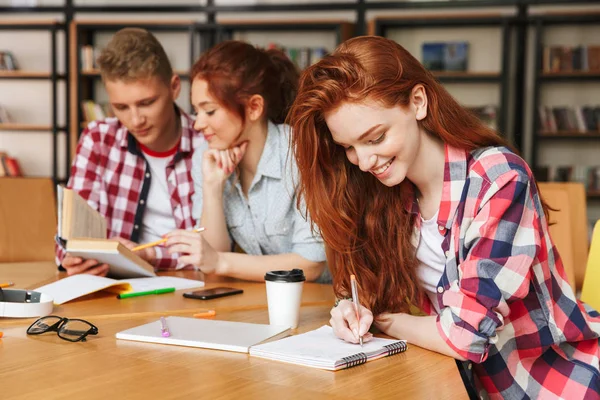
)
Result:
{"points": [[84, 230], [75, 286], [322, 349], [208, 334]]}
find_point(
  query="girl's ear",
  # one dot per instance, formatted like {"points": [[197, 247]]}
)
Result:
{"points": [[419, 102], [255, 107]]}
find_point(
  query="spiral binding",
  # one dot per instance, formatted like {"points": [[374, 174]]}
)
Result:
{"points": [[395, 348], [355, 359]]}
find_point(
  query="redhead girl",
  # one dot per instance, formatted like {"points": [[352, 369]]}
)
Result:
{"points": [[429, 207], [244, 176]]}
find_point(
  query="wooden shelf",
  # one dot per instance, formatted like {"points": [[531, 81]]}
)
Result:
{"points": [[588, 135], [94, 73], [19, 74], [24, 127]]}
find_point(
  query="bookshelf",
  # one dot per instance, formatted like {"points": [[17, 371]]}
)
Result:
{"points": [[571, 90], [52, 76], [437, 27]]}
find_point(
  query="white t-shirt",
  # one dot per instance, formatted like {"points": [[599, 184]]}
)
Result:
{"points": [[158, 216], [432, 260]]}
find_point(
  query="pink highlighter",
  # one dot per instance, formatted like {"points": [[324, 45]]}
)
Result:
{"points": [[164, 328]]}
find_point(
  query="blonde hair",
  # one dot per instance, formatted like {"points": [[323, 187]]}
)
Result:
{"points": [[133, 54]]}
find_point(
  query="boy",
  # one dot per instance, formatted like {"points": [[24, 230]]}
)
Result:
{"points": [[135, 169]]}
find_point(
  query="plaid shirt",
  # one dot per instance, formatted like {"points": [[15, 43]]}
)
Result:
{"points": [[505, 302], [111, 173]]}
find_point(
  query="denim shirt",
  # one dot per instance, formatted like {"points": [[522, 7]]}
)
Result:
{"points": [[267, 221]]}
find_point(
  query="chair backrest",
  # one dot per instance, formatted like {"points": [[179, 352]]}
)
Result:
{"points": [[577, 205], [590, 293], [560, 227], [27, 219]]}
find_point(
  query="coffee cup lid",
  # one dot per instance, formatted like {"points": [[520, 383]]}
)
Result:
{"points": [[295, 275]]}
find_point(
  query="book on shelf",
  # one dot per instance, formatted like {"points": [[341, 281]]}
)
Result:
{"points": [[580, 119], [8, 62], [487, 114], [93, 111], [9, 166], [4, 117], [445, 56], [303, 57], [571, 58], [86, 57], [589, 176], [83, 231]]}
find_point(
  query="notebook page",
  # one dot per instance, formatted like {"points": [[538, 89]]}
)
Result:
{"points": [[75, 286], [319, 348]]}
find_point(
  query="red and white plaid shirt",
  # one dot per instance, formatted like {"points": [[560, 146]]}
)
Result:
{"points": [[111, 174], [505, 302]]}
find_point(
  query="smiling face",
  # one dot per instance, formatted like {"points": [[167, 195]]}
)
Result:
{"points": [[145, 107], [221, 127], [380, 140]]}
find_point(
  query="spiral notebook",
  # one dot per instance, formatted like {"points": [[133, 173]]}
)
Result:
{"points": [[322, 349]]}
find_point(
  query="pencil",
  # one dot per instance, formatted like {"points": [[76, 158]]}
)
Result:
{"points": [[6, 284], [354, 287], [161, 241], [205, 314]]}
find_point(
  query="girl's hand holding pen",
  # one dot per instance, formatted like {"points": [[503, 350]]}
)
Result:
{"points": [[195, 249], [345, 324]]}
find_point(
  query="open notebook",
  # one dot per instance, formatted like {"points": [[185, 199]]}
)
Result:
{"points": [[322, 349], [75, 286], [208, 334]]}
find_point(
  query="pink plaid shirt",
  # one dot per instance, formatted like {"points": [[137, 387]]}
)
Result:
{"points": [[110, 172], [505, 302]]}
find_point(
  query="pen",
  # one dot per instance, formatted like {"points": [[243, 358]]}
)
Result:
{"points": [[156, 291], [161, 241], [164, 329], [356, 304], [205, 314], [6, 284]]}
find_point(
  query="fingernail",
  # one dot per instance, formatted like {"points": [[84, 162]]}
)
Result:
{"points": [[355, 331]]}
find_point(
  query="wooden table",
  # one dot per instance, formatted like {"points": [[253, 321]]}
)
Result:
{"points": [[47, 367]]}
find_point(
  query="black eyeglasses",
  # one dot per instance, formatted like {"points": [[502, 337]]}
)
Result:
{"points": [[73, 330]]}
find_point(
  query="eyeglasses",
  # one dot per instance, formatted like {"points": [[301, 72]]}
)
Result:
{"points": [[73, 330]]}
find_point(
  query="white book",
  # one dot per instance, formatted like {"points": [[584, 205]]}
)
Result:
{"points": [[208, 334], [75, 286], [322, 349]]}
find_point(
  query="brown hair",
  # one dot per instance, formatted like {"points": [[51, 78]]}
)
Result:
{"points": [[132, 54], [236, 70], [365, 225]]}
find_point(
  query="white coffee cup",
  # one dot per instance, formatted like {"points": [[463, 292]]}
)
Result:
{"points": [[284, 294]]}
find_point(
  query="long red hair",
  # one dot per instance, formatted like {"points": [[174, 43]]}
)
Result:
{"points": [[364, 223]]}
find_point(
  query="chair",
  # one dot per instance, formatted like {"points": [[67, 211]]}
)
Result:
{"points": [[27, 219], [560, 228], [590, 293]]}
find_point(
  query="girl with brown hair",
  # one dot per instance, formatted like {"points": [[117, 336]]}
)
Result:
{"points": [[244, 178], [427, 206]]}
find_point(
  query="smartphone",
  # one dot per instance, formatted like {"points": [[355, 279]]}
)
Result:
{"points": [[212, 293]]}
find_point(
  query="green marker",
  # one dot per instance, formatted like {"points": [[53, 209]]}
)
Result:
{"points": [[135, 294]]}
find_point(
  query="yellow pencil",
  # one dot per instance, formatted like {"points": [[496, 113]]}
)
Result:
{"points": [[6, 284], [161, 241]]}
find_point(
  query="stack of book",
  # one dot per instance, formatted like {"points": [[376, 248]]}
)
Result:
{"points": [[303, 57], [572, 119], [569, 59], [445, 56], [9, 166], [93, 111]]}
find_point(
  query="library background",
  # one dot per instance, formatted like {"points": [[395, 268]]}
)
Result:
{"points": [[529, 68]]}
